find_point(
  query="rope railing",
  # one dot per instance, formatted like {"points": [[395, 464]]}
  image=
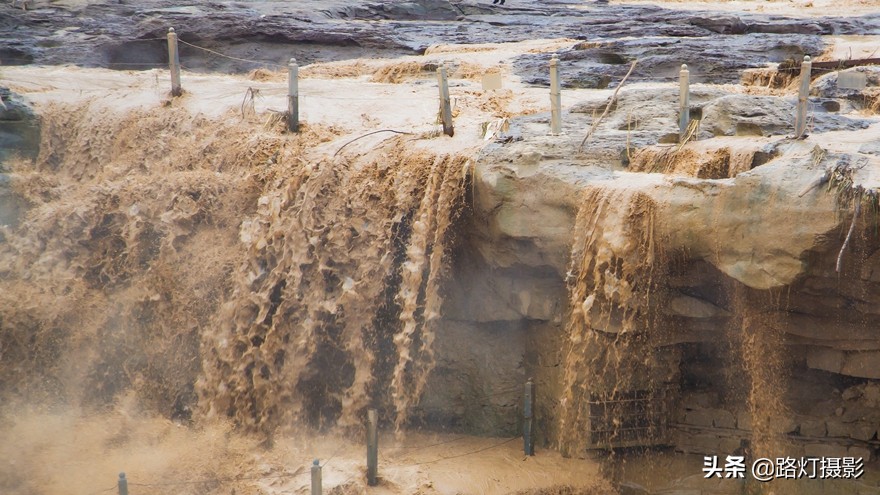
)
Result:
{"points": [[228, 479], [445, 108], [124, 483], [317, 467], [297, 472]]}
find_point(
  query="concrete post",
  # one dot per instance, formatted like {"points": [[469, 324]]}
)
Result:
{"points": [[529, 419], [123, 484], [555, 97], [800, 121], [293, 96], [316, 478], [445, 106], [684, 101], [372, 446], [174, 63]]}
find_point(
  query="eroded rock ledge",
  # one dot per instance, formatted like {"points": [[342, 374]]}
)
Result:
{"points": [[746, 246]]}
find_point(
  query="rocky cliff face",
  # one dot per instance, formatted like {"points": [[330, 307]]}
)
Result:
{"points": [[19, 136], [721, 262], [131, 36]]}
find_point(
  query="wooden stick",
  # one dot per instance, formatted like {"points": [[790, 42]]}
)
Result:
{"points": [[608, 107], [849, 234], [818, 181], [689, 134]]}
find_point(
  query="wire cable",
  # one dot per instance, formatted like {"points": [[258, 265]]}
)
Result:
{"points": [[370, 134], [114, 487], [512, 390], [164, 38], [332, 456], [220, 480], [420, 447], [256, 62], [490, 447]]}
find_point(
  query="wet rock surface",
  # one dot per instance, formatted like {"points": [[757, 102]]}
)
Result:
{"points": [[767, 116], [711, 58], [19, 127], [131, 35], [19, 137]]}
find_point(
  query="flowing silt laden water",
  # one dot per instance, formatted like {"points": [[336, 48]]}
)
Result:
{"points": [[298, 339], [224, 255], [191, 294], [614, 335], [285, 310]]}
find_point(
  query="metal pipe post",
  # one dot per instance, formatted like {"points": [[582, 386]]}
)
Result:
{"points": [[445, 106], [684, 101], [174, 63], [800, 121], [555, 97], [316, 478], [372, 446], [123, 484], [529, 419], [293, 96]]}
